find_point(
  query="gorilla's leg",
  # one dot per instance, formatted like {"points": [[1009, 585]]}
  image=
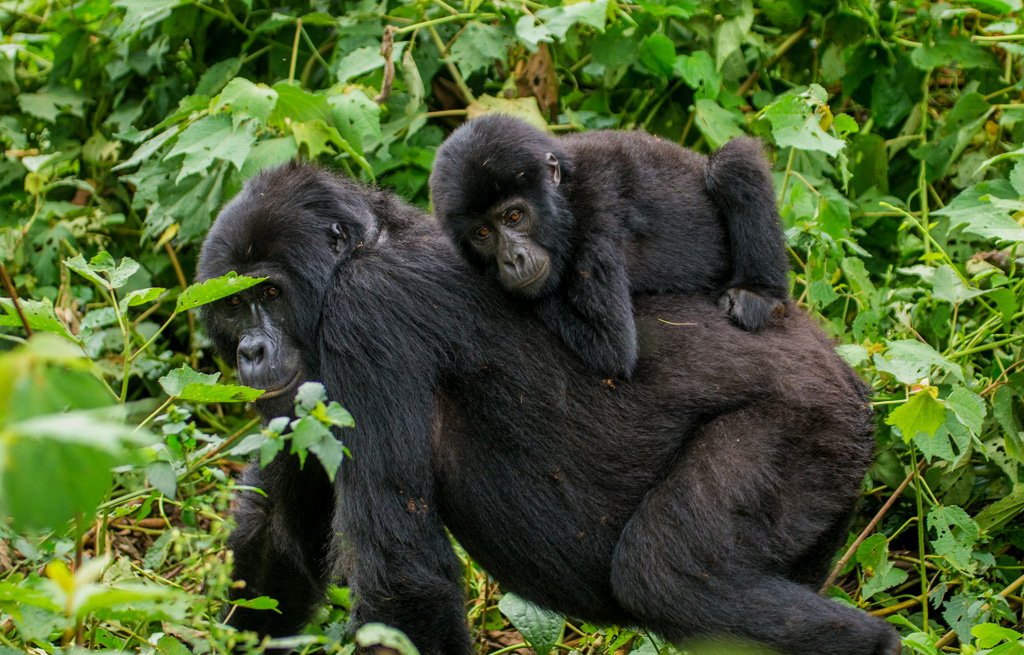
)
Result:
{"points": [[281, 545], [708, 551]]}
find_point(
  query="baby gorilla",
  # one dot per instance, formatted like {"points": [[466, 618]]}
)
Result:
{"points": [[576, 224]]}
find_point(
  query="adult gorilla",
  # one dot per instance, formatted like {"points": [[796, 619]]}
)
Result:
{"points": [[706, 496]]}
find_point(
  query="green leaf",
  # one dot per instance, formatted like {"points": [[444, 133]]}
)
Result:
{"points": [[522, 108], [956, 534], [540, 627], [214, 289], [244, 98], [658, 54], [219, 393], [216, 76], [38, 313], [102, 270], [268, 153], [211, 138], [969, 408], [556, 21], [330, 452], [879, 572], [699, 73], [718, 125], [162, 477], [973, 208], [52, 102], [296, 105], [259, 603], [955, 52], [141, 14], [910, 361], [174, 383], [1001, 512], [821, 294], [922, 413], [357, 118], [374, 634], [478, 47], [947, 285], [359, 62], [56, 467], [796, 124], [140, 297], [990, 634]]}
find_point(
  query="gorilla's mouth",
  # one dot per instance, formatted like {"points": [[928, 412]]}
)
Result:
{"points": [[279, 391], [538, 277]]}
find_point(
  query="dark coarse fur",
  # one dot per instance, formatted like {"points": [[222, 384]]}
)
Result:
{"points": [[706, 496], [629, 212]]}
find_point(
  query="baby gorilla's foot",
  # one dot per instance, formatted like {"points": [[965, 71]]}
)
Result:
{"points": [[749, 309]]}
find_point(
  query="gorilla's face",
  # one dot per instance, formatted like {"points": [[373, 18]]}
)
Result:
{"points": [[291, 228]]}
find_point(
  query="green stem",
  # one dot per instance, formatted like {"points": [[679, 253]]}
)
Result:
{"points": [[152, 416], [295, 51], [921, 528], [156, 334], [443, 19], [988, 346], [452, 69]]}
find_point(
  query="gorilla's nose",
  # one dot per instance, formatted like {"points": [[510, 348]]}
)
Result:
{"points": [[251, 350]]}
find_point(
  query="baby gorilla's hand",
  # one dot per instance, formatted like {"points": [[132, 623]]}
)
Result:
{"points": [[749, 309]]}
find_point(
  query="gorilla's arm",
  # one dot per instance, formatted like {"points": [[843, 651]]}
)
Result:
{"points": [[593, 312], [739, 180], [403, 570]]}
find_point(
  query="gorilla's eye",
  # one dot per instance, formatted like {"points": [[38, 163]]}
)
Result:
{"points": [[514, 215], [483, 232], [233, 301], [271, 292]]}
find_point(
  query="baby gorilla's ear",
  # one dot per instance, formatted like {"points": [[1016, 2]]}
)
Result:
{"points": [[553, 169]]}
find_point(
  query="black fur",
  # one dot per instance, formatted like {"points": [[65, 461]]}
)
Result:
{"points": [[706, 496], [627, 212]]}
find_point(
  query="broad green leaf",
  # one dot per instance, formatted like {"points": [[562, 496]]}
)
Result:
{"points": [[879, 572], [699, 73], [990, 634], [244, 98], [974, 210], [373, 634], [56, 467], [922, 413], [911, 361], [956, 534], [102, 269], [212, 138], [296, 105], [732, 34], [219, 393], [797, 124], [540, 627], [1001, 512], [948, 286], [140, 297], [215, 289], [162, 477], [174, 383], [268, 153], [216, 76], [259, 603], [330, 452], [522, 108], [955, 52], [718, 125], [38, 313], [556, 21], [969, 408], [658, 54], [52, 102], [359, 62], [478, 47], [357, 118], [141, 14]]}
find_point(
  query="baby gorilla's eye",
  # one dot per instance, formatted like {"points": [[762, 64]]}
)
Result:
{"points": [[483, 232], [271, 292], [514, 215]]}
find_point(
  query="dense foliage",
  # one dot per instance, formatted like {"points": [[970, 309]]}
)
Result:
{"points": [[898, 129]]}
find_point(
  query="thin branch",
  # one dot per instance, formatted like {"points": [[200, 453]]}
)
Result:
{"points": [[867, 531], [9, 286], [387, 47]]}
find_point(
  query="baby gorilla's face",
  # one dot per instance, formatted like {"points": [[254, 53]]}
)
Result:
{"points": [[504, 235]]}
